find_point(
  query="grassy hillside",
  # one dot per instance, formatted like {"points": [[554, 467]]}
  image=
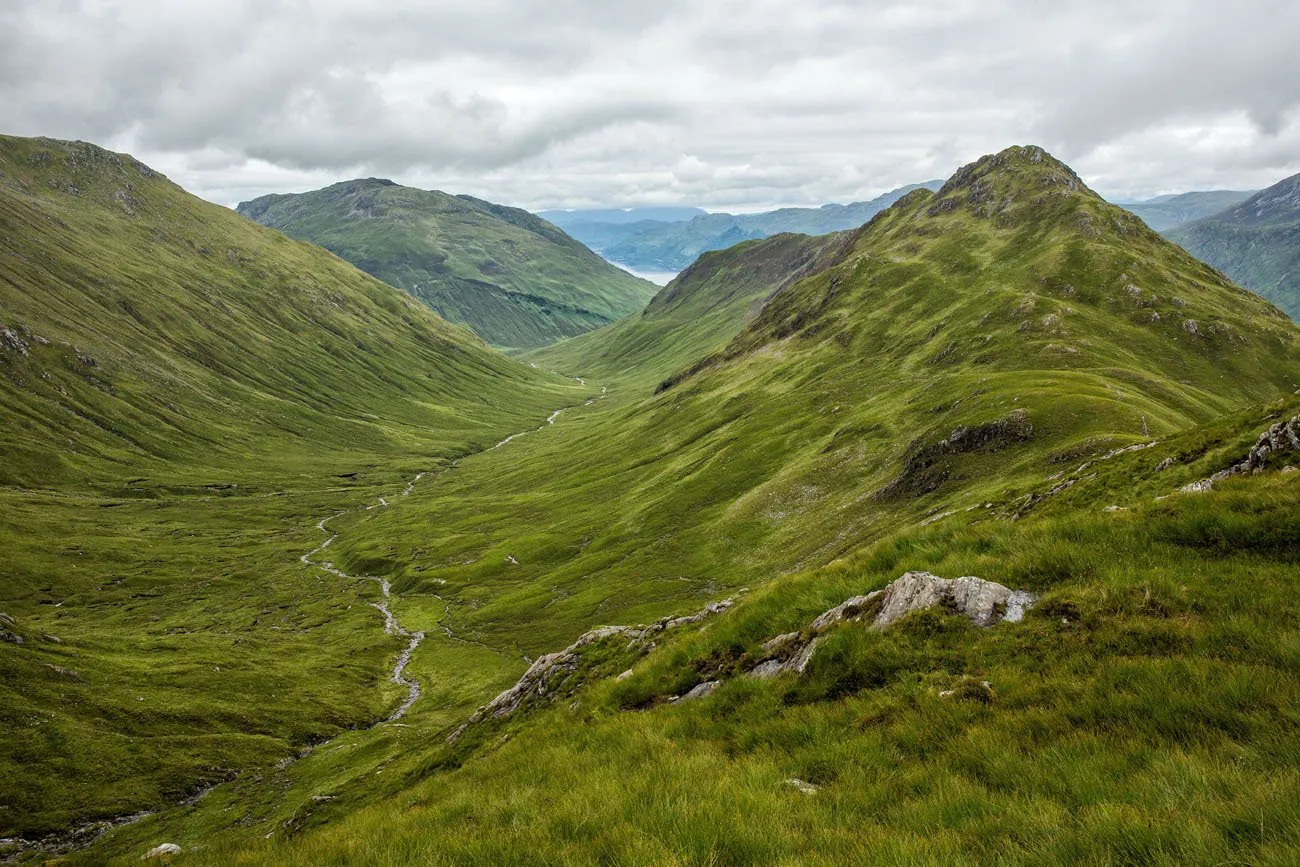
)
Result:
{"points": [[697, 313], [965, 385], [512, 277], [183, 395], [1167, 212], [1256, 243], [1144, 712]]}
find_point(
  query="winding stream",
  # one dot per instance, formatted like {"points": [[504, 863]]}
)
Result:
{"points": [[84, 836]]}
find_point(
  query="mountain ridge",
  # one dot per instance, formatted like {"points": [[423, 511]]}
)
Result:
{"points": [[510, 276]]}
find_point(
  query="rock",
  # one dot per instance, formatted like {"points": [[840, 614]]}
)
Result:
{"points": [[1289, 470], [804, 787], [1190, 326], [1165, 464], [162, 850], [11, 637], [547, 677], [625, 675], [1115, 509], [795, 662], [701, 690], [7, 619], [984, 602], [1280, 438], [779, 644], [12, 340], [849, 609]]}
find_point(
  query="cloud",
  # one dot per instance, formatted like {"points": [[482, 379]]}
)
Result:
{"points": [[727, 104]]}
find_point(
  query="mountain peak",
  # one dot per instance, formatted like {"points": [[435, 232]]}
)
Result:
{"points": [[1029, 167], [1018, 179]]}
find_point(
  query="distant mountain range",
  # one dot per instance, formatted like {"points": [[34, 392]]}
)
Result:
{"points": [[1256, 243], [510, 276], [568, 219], [1165, 212], [640, 240]]}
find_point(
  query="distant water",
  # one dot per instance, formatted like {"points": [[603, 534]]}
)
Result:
{"points": [[659, 278]]}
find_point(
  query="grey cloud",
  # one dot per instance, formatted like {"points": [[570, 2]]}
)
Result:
{"points": [[733, 103]]}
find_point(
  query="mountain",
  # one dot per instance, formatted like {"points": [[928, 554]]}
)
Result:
{"points": [[183, 395], [645, 631], [697, 313], [1163, 213], [1008, 378], [657, 246], [1256, 243], [510, 276], [566, 220]]}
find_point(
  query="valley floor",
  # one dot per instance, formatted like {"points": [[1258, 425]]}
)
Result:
{"points": [[1143, 713]]}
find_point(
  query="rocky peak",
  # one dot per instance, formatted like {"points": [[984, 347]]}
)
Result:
{"points": [[996, 183]]}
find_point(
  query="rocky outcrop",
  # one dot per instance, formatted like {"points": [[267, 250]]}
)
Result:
{"points": [[985, 602], [164, 850], [5, 634], [549, 676], [926, 467], [1282, 438]]}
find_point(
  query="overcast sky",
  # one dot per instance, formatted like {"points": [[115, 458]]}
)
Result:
{"points": [[722, 104]]}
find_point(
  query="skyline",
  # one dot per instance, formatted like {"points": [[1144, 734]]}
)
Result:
{"points": [[733, 107]]}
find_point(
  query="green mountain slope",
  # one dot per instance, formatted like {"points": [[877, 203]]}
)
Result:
{"points": [[671, 246], [183, 395], [1256, 243], [512, 277], [965, 385], [1166, 212], [697, 313]]}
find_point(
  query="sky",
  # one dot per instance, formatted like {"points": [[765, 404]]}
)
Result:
{"points": [[725, 105]]}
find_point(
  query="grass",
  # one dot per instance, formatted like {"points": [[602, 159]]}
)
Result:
{"points": [[184, 394], [909, 401], [1144, 712]]}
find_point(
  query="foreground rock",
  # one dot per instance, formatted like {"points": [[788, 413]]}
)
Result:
{"points": [[985, 602], [547, 677]]}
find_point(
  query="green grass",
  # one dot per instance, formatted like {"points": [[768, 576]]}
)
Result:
{"points": [[184, 394], [801, 453], [1144, 712], [512, 277]]}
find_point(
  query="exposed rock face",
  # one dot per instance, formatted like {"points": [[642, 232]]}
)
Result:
{"points": [[545, 678], [925, 467], [984, 602], [1281, 438]]}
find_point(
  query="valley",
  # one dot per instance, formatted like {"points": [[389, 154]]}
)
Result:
{"points": [[285, 616]]}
